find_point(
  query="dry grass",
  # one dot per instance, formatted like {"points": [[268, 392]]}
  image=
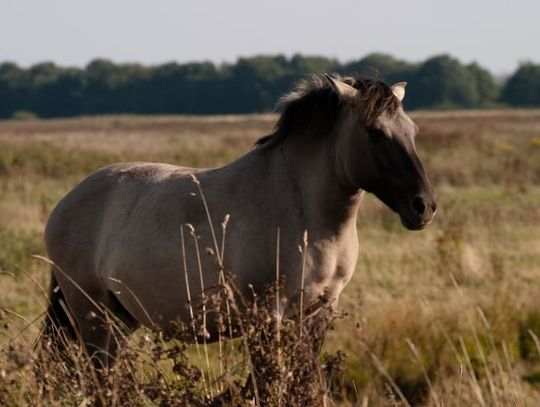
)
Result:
{"points": [[277, 356], [449, 316]]}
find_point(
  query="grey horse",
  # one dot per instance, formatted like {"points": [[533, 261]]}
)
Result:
{"points": [[119, 239]]}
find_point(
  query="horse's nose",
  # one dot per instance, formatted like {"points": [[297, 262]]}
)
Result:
{"points": [[419, 205], [424, 208]]}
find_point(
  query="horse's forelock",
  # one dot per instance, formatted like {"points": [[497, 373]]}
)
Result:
{"points": [[314, 106], [374, 98]]}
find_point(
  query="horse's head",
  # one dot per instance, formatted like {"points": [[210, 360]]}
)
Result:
{"points": [[378, 150]]}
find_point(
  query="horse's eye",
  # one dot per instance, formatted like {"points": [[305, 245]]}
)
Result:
{"points": [[377, 134]]}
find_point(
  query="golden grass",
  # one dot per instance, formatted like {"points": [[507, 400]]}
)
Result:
{"points": [[447, 315]]}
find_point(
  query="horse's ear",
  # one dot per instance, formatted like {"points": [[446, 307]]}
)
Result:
{"points": [[399, 90], [341, 87]]}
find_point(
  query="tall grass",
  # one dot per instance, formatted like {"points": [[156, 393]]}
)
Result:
{"points": [[449, 316], [270, 364]]}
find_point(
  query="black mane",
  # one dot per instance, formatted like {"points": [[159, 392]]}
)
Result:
{"points": [[314, 106]]}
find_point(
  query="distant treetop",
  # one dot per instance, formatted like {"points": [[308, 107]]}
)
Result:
{"points": [[250, 85]]}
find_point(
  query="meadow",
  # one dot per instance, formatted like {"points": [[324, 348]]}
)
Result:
{"points": [[449, 315]]}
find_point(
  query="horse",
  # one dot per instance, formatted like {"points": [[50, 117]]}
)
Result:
{"points": [[129, 237]]}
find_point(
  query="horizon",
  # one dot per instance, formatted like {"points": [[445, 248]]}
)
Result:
{"points": [[496, 36]]}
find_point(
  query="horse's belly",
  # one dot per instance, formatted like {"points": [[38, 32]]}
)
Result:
{"points": [[152, 286]]}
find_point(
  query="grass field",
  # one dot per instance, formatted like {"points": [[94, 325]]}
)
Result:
{"points": [[450, 315]]}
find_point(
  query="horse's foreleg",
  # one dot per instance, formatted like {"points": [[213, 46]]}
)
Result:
{"points": [[317, 331]]}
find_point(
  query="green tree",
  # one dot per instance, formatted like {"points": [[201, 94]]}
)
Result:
{"points": [[254, 84], [443, 82], [302, 64], [100, 83], [488, 90], [523, 87], [382, 66], [14, 89]]}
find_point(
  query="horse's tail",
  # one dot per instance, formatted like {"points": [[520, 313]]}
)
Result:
{"points": [[58, 325]]}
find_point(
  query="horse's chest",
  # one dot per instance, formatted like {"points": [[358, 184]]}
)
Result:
{"points": [[331, 270]]}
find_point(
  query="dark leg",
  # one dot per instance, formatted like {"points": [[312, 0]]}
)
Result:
{"points": [[121, 328]]}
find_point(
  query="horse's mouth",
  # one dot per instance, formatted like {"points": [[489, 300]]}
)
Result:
{"points": [[412, 225], [413, 222]]}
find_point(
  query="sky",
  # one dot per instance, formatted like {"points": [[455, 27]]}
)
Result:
{"points": [[498, 34]]}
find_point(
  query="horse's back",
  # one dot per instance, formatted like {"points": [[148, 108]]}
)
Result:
{"points": [[74, 223]]}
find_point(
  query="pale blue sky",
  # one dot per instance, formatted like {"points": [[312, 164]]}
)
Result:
{"points": [[498, 33]]}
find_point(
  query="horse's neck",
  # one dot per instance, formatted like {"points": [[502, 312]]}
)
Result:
{"points": [[327, 206]]}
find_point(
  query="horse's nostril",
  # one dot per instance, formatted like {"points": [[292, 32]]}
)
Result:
{"points": [[419, 205], [434, 206]]}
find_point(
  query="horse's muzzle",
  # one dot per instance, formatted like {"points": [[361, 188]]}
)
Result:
{"points": [[417, 213]]}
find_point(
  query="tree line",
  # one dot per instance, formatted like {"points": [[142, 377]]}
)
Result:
{"points": [[250, 85]]}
